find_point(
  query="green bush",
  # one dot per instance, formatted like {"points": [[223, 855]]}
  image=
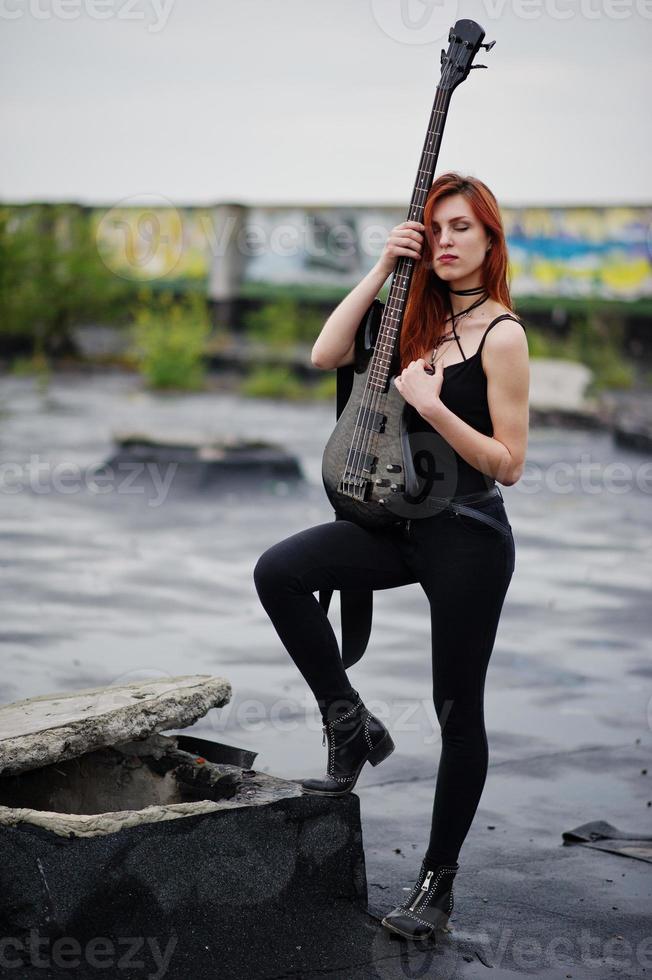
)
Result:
{"points": [[326, 388], [52, 276], [598, 343], [594, 341], [282, 382], [283, 322], [169, 339], [273, 382]]}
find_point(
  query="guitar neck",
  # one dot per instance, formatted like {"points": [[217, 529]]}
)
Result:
{"points": [[392, 318], [465, 41]]}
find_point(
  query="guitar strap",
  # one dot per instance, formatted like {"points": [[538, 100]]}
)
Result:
{"points": [[356, 605]]}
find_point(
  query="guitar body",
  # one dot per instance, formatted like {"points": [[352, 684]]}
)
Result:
{"points": [[380, 504]]}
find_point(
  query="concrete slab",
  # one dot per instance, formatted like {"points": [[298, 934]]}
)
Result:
{"points": [[557, 383], [49, 728]]}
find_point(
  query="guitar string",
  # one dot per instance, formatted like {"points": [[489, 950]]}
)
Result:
{"points": [[364, 436], [404, 262], [402, 270], [403, 266], [370, 405]]}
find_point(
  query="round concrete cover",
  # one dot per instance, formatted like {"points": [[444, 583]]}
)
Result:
{"points": [[52, 727]]}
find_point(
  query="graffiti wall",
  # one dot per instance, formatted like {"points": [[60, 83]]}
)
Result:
{"points": [[600, 252], [574, 252]]}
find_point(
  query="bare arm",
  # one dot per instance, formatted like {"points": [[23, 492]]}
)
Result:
{"points": [[335, 344]]}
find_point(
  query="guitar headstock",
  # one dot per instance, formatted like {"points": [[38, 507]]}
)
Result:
{"points": [[465, 42]]}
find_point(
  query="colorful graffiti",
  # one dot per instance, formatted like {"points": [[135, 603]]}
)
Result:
{"points": [[595, 252]]}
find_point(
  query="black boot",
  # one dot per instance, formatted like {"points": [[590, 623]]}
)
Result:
{"points": [[354, 738], [429, 905]]}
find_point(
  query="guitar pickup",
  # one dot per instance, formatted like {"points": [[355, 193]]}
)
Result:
{"points": [[359, 461], [373, 421]]}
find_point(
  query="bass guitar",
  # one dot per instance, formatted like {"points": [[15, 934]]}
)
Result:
{"points": [[368, 469]]}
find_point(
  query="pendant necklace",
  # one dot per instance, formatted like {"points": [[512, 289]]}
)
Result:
{"points": [[452, 335]]}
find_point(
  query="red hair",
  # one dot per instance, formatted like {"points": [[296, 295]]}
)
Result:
{"points": [[427, 305]]}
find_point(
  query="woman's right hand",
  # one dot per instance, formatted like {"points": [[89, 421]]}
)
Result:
{"points": [[405, 239]]}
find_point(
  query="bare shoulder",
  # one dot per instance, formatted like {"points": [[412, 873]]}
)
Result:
{"points": [[506, 356], [506, 337]]}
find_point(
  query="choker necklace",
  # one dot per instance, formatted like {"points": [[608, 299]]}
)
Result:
{"points": [[458, 316], [467, 292]]}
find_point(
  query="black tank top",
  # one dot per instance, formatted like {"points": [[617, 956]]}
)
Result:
{"points": [[464, 392]]}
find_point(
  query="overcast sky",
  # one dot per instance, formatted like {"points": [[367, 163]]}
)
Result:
{"points": [[320, 101]]}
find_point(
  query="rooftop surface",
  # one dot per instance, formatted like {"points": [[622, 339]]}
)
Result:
{"points": [[108, 585]]}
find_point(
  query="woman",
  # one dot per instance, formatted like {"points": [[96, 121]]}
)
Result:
{"points": [[472, 404]]}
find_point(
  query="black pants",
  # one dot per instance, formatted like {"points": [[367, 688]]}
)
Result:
{"points": [[464, 566]]}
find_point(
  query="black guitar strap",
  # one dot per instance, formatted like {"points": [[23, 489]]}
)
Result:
{"points": [[356, 605]]}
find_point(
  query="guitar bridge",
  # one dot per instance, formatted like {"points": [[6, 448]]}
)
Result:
{"points": [[353, 486]]}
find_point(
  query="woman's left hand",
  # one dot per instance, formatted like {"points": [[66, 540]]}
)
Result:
{"points": [[418, 387]]}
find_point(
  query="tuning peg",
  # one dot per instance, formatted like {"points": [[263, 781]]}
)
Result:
{"points": [[443, 56], [488, 46], [477, 66]]}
